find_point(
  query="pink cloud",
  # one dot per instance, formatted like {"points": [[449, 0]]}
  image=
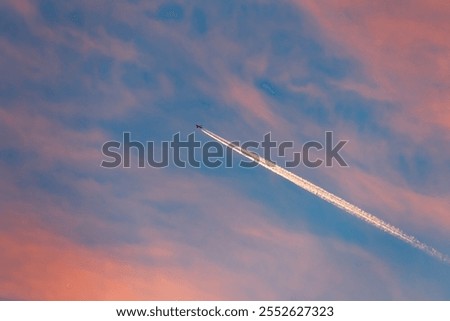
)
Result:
{"points": [[250, 101], [24, 7], [50, 140], [41, 258], [404, 51], [42, 265]]}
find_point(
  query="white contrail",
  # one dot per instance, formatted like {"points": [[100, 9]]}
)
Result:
{"points": [[331, 198]]}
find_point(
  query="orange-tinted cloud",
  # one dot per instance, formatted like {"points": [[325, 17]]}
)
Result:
{"points": [[44, 257], [40, 265]]}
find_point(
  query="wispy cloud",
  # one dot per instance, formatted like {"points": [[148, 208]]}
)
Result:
{"points": [[78, 74]]}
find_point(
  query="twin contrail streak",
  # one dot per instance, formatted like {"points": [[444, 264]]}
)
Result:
{"points": [[331, 198]]}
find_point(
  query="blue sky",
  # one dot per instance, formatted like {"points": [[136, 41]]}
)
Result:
{"points": [[79, 74]]}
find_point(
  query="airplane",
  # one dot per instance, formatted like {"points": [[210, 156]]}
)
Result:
{"points": [[198, 126]]}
